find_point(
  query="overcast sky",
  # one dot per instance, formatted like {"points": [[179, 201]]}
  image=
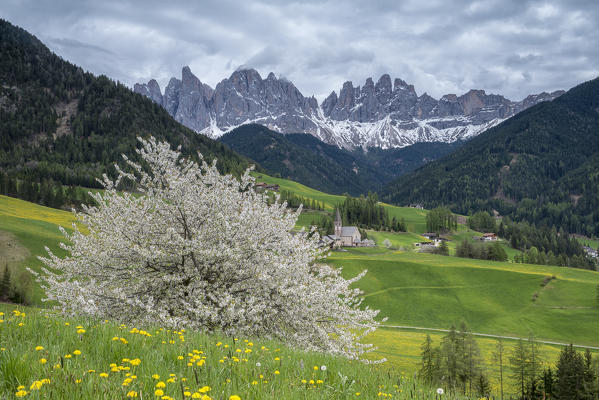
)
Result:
{"points": [[510, 47]]}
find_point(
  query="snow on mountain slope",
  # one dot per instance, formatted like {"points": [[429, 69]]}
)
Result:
{"points": [[383, 115]]}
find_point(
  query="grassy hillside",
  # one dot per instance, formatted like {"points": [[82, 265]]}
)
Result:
{"points": [[540, 166], [46, 356], [27, 228], [432, 291]]}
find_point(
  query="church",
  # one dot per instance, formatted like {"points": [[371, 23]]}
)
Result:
{"points": [[344, 235]]}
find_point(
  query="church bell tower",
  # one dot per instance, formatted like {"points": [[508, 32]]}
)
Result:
{"points": [[338, 224]]}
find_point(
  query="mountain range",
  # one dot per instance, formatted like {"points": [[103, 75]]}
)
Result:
{"points": [[306, 159], [385, 114], [541, 165]]}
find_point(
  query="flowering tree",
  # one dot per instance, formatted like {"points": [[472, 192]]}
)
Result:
{"points": [[196, 249]]}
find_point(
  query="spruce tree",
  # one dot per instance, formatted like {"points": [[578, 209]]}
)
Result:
{"points": [[548, 383], [6, 284], [498, 355], [428, 368], [519, 367], [570, 375]]}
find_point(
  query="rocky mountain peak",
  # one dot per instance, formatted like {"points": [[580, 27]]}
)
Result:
{"points": [[386, 114]]}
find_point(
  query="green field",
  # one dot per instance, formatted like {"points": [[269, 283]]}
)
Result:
{"points": [[411, 289], [426, 290]]}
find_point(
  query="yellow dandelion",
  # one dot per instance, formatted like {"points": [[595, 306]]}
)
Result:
{"points": [[234, 397], [103, 375], [161, 385], [43, 361], [159, 392], [39, 348], [77, 352], [132, 393]]}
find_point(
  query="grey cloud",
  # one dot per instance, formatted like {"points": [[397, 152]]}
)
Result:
{"points": [[512, 47]]}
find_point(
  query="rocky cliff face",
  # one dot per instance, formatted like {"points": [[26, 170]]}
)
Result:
{"points": [[383, 115]]}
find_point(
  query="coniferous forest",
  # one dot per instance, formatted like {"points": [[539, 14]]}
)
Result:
{"points": [[61, 126], [540, 166]]}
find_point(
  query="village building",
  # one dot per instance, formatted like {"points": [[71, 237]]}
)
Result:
{"points": [[349, 235], [490, 237]]}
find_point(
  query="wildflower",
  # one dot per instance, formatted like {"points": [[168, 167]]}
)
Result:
{"points": [[186, 393], [39, 348], [323, 367], [258, 364], [103, 375], [319, 381], [204, 389], [304, 381], [311, 381], [196, 395], [159, 392], [161, 385], [36, 385], [180, 358], [219, 343], [43, 361], [77, 352], [68, 356], [21, 393], [277, 359], [234, 397], [277, 372], [132, 393], [315, 368], [135, 362], [440, 391], [254, 382], [156, 376], [81, 331]]}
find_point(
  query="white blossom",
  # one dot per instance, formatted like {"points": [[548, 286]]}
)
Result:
{"points": [[195, 249]]}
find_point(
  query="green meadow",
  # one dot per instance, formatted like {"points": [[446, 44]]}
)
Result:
{"points": [[411, 289]]}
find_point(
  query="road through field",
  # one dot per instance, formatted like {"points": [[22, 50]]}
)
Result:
{"points": [[418, 328]]}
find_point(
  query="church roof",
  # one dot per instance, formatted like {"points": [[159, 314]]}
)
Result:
{"points": [[337, 216], [349, 231]]}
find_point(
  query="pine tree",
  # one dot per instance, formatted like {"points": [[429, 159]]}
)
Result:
{"points": [[570, 375], [428, 370], [449, 355], [498, 356], [482, 386], [519, 367], [6, 284], [590, 387], [548, 383], [533, 368]]}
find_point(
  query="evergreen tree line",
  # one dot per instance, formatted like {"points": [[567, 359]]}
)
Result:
{"points": [[539, 244], [294, 201], [457, 365], [441, 219], [47, 192], [481, 251], [367, 213], [16, 289], [544, 245]]}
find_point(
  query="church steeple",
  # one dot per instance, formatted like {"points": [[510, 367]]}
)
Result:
{"points": [[338, 223]]}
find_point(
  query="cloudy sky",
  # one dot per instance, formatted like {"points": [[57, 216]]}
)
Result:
{"points": [[511, 47]]}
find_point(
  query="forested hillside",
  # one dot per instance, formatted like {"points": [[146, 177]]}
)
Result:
{"points": [[61, 124], [540, 166], [306, 159]]}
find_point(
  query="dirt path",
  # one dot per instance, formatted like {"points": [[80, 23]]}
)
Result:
{"points": [[417, 328]]}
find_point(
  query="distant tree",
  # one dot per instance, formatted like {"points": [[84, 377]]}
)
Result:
{"points": [[482, 387], [442, 249], [570, 375], [548, 383], [6, 284], [482, 221], [519, 367], [498, 356], [429, 362]]}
